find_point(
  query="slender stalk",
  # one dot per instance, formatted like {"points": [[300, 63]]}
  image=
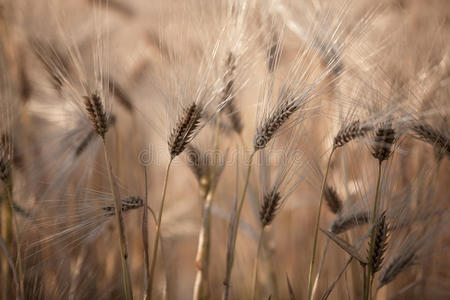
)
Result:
{"points": [[255, 267], [316, 228], [368, 279], [158, 231], [145, 239], [121, 226], [229, 267], [204, 239], [319, 271], [202, 259]]}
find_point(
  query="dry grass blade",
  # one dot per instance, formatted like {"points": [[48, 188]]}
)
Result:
{"points": [[345, 246], [331, 287], [350, 132], [432, 136], [333, 201], [269, 208], [185, 129], [96, 112], [291, 291]]}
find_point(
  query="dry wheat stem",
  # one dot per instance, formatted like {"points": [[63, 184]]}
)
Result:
{"points": [[202, 258], [204, 240], [255, 266], [232, 246], [158, 231], [316, 227], [121, 228], [145, 239], [368, 281]]}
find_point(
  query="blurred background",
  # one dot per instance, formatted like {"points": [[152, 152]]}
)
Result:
{"points": [[148, 59]]}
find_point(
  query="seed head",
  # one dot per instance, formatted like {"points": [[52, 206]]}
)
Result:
{"points": [[129, 203], [97, 115], [266, 132], [383, 142], [269, 207], [185, 129], [350, 132], [380, 243], [332, 199]]}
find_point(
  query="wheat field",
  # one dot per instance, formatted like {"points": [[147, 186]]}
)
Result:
{"points": [[224, 149]]}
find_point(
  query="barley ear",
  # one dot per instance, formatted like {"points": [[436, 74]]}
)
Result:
{"points": [[96, 112], [185, 130]]}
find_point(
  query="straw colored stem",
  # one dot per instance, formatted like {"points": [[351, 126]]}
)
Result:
{"points": [[226, 282], [368, 277], [316, 228], [120, 224], [158, 232], [204, 241], [255, 267], [145, 239]]}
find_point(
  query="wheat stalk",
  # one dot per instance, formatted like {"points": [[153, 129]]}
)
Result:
{"points": [[98, 118]]}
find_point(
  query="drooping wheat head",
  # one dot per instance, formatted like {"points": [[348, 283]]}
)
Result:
{"points": [[269, 208], [333, 200], [350, 132], [432, 136]]}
